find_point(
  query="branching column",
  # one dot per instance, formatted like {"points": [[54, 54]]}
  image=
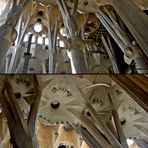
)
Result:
{"points": [[135, 20], [74, 43], [8, 33], [22, 130]]}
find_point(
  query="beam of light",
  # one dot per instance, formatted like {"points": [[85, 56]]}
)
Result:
{"points": [[72, 64]]}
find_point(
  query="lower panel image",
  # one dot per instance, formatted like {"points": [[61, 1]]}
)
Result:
{"points": [[73, 111]]}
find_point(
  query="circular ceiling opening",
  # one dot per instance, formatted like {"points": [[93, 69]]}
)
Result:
{"points": [[85, 3], [39, 19], [17, 95], [62, 146], [122, 121], [55, 104], [38, 27], [40, 13]]}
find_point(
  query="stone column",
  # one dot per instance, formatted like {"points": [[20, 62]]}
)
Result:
{"points": [[135, 20]]}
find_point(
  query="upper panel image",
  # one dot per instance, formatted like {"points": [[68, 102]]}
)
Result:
{"points": [[74, 36]]}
